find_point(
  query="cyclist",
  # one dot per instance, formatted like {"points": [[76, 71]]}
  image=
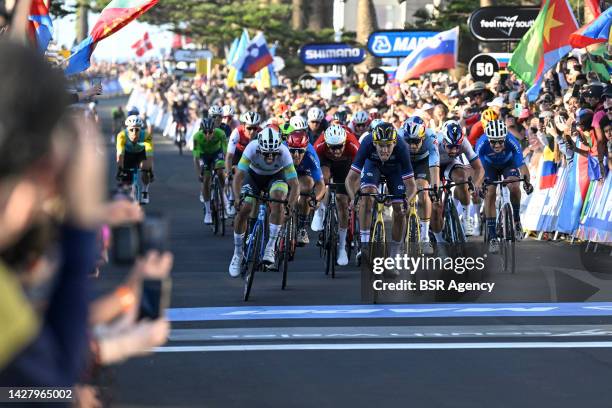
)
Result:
{"points": [[308, 169], [227, 119], [382, 153], [425, 159], [501, 155], [316, 123], [265, 164], [215, 113], [180, 114], [298, 123], [336, 149], [135, 150], [239, 139], [359, 123], [209, 147], [478, 129], [457, 162]]}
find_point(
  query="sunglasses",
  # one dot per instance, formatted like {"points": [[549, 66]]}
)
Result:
{"points": [[496, 142], [315, 121], [251, 128], [608, 109], [208, 131], [336, 147], [383, 144], [360, 124], [270, 154], [452, 146], [413, 141], [294, 150], [134, 129]]}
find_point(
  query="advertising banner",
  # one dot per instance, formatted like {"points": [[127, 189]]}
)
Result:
{"points": [[400, 43], [502, 23], [331, 54]]}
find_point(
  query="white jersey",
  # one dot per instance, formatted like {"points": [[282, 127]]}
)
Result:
{"points": [[254, 160], [466, 150], [233, 141]]}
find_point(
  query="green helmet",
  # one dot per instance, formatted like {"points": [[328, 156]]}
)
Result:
{"points": [[285, 130]]}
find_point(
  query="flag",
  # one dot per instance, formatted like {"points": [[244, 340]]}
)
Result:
{"points": [[546, 42], [179, 41], [548, 176], [235, 74], [266, 77], [597, 31], [40, 25], [436, 53], [116, 15], [143, 45], [597, 61], [256, 56], [593, 6]]}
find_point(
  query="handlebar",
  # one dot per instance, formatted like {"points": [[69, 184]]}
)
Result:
{"points": [[312, 202], [449, 184], [505, 182], [379, 197], [263, 197]]}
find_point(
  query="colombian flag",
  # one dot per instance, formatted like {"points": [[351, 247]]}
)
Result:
{"points": [[548, 177], [116, 15]]}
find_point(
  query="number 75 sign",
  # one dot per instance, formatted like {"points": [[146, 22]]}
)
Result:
{"points": [[376, 78]]}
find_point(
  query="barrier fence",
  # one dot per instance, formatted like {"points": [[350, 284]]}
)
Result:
{"points": [[575, 205]]}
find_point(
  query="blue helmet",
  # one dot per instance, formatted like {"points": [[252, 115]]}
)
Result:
{"points": [[452, 134], [414, 127], [133, 111], [207, 124]]}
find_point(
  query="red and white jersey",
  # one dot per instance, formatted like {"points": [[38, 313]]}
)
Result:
{"points": [[239, 140], [350, 148]]}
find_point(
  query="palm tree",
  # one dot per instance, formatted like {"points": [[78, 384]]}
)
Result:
{"points": [[297, 14], [317, 15], [366, 24]]}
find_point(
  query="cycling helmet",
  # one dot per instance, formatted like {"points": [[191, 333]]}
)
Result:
{"points": [[315, 114], [133, 111], [414, 127], [214, 111], [269, 140], [335, 135], [452, 134], [298, 139], [285, 129], [250, 118], [487, 116], [298, 123], [207, 124], [496, 130], [375, 122], [341, 116], [228, 110], [384, 133], [133, 121], [360, 117]]}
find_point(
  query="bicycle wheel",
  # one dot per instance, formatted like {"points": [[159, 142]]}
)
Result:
{"points": [[456, 232], [356, 242], [214, 207], [325, 241], [413, 236], [292, 236], [284, 244], [333, 241], [508, 239], [220, 207], [349, 235], [253, 262], [377, 250]]}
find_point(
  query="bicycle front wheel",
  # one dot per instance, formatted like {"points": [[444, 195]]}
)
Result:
{"points": [[220, 207], [253, 262], [284, 244], [333, 241], [413, 235]]}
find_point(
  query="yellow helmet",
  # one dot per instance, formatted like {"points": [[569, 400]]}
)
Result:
{"points": [[487, 116]]}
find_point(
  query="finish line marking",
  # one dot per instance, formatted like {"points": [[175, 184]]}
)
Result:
{"points": [[390, 311], [387, 346]]}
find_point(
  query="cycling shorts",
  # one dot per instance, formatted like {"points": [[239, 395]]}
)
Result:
{"points": [[254, 183], [494, 173], [371, 173], [421, 169], [132, 160], [447, 168], [338, 170], [208, 162]]}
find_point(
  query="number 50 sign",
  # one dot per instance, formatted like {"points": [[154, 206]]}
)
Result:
{"points": [[482, 67]]}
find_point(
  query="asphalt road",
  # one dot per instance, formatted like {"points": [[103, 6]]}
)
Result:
{"points": [[530, 342]]}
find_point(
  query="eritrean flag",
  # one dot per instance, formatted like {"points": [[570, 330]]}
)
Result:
{"points": [[40, 26], [116, 15], [546, 42], [597, 31]]}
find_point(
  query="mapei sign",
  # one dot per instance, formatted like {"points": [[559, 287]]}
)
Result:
{"points": [[400, 43], [331, 54], [502, 23]]}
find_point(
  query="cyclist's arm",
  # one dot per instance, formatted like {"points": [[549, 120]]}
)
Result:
{"points": [[237, 186], [352, 184], [148, 145], [120, 148], [434, 159]]}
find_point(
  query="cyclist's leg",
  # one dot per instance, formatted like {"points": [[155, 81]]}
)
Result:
{"points": [[510, 174], [250, 186], [306, 186], [370, 176], [421, 175], [219, 166], [459, 174], [476, 204], [395, 186], [278, 189], [491, 173], [206, 166], [317, 219]]}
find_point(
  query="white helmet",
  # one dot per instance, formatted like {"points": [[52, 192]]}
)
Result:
{"points": [[335, 135], [133, 121], [298, 123], [269, 140], [375, 123], [250, 118], [496, 130], [228, 110], [214, 110], [315, 114], [361, 117]]}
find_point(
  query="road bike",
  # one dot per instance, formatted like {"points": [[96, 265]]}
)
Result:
{"points": [[217, 205], [286, 244], [256, 242], [504, 217], [452, 229], [180, 140]]}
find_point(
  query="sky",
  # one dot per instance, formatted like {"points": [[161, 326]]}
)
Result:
{"points": [[117, 47]]}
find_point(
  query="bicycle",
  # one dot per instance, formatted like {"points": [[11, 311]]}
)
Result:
{"points": [[133, 189], [217, 205], [255, 245], [452, 230], [329, 239], [504, 222], [180, 137], [286, 244]]}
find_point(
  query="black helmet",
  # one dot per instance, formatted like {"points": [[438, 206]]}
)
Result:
{"points": [[207, 124], [341, 116]]}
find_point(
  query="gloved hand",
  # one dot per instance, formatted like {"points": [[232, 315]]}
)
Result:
{"points": [[528, 187], [120, 174]]}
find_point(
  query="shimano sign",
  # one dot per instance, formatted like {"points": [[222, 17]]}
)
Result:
{"points": [[331, 54], [388, 44], [502, 23]]}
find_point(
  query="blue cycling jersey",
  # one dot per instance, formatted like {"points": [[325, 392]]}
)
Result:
{"points": [[429, 148], [400, 157], [226, 128], [310, 165], [511, 156]]}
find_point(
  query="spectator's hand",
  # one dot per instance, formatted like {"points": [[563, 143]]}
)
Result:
{"points": [[122, 212], [137, 340], [86, 396], [154, 265]]}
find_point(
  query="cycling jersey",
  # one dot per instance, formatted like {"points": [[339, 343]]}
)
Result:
{"points": [[143, 143], [351, 146], [239, 140], [428, 149], [227, 129], [510, 156], [465, 149], [179, 112], [400, 157], [252, 159], [201, 146], [310, 165]]}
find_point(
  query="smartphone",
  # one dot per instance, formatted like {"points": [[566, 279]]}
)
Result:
{"points": [[133, 240], [154, 298], [518, 108]]}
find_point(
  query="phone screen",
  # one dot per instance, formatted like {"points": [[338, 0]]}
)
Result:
{"points": [[152, 299]]}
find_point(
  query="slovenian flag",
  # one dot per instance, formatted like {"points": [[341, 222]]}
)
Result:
{"points": [[256, 56], [436, 53], [40, 26], [598, 31], [116, 15]]}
